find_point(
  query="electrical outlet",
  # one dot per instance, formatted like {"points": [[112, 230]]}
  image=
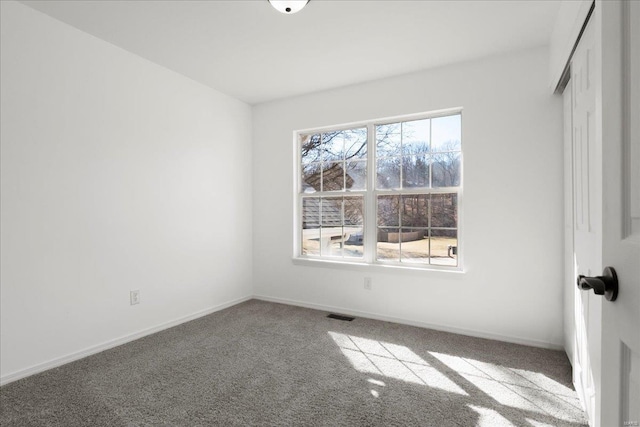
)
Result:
{"points": [[134, 296], [367, 283]]}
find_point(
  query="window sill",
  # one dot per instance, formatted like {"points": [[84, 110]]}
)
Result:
{"points": [[377, 268]]}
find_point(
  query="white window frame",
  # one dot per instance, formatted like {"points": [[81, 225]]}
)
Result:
{"points": [[370, 196]]}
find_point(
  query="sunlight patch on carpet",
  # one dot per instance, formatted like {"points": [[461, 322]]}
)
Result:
{"points": [[490, 418], [392, 361], [517, 388]]}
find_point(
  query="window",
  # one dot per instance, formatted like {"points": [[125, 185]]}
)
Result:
{"points": [[382, 192]]}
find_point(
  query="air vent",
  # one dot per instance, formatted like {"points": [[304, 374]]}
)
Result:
{"points": [[340, 317]]}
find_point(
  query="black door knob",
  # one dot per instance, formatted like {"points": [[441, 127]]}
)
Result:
{"points": [[606, 285]]}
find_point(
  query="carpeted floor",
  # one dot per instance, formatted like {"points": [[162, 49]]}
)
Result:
{"points": [[263, 364]]}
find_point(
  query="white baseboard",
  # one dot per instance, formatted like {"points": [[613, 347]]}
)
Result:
{"points": [[41, 367], [444, 328]]}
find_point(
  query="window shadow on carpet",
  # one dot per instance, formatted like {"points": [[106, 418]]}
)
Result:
{"points": [[497, 395]]}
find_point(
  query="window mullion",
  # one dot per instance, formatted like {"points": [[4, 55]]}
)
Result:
{"points": [[370, 229], [401, 156], [400, 209], [430, 159]]}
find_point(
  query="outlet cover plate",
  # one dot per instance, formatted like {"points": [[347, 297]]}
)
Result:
{"points": [[134, 297]]}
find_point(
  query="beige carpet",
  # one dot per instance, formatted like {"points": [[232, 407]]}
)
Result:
{"points": [[261, 364]]}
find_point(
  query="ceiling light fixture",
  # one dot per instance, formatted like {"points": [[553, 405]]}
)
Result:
{"points": [[288, 7]]}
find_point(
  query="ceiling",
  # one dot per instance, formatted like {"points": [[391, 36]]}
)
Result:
{"points": [[248, 50]]}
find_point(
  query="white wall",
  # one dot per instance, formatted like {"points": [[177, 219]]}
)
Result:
{"points": [[117, 174], [513, 205]]}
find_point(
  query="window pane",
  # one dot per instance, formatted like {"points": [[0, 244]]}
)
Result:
{"points": [[388, 173], [353, 212], [331, 212], [311, 226], [331, 221], [415, 245], [311, 177], [388, 250], [310, 148], [355, 143], [415, 210], [446, 133], [356, 178], [353, 243], [415, 137], [388, 140], [444, 247], [353, 231], [446, 169], [310, 212], [333, 145], [415, 171], [388, 210], [332, 176], [444, 210], [332, 243]]}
